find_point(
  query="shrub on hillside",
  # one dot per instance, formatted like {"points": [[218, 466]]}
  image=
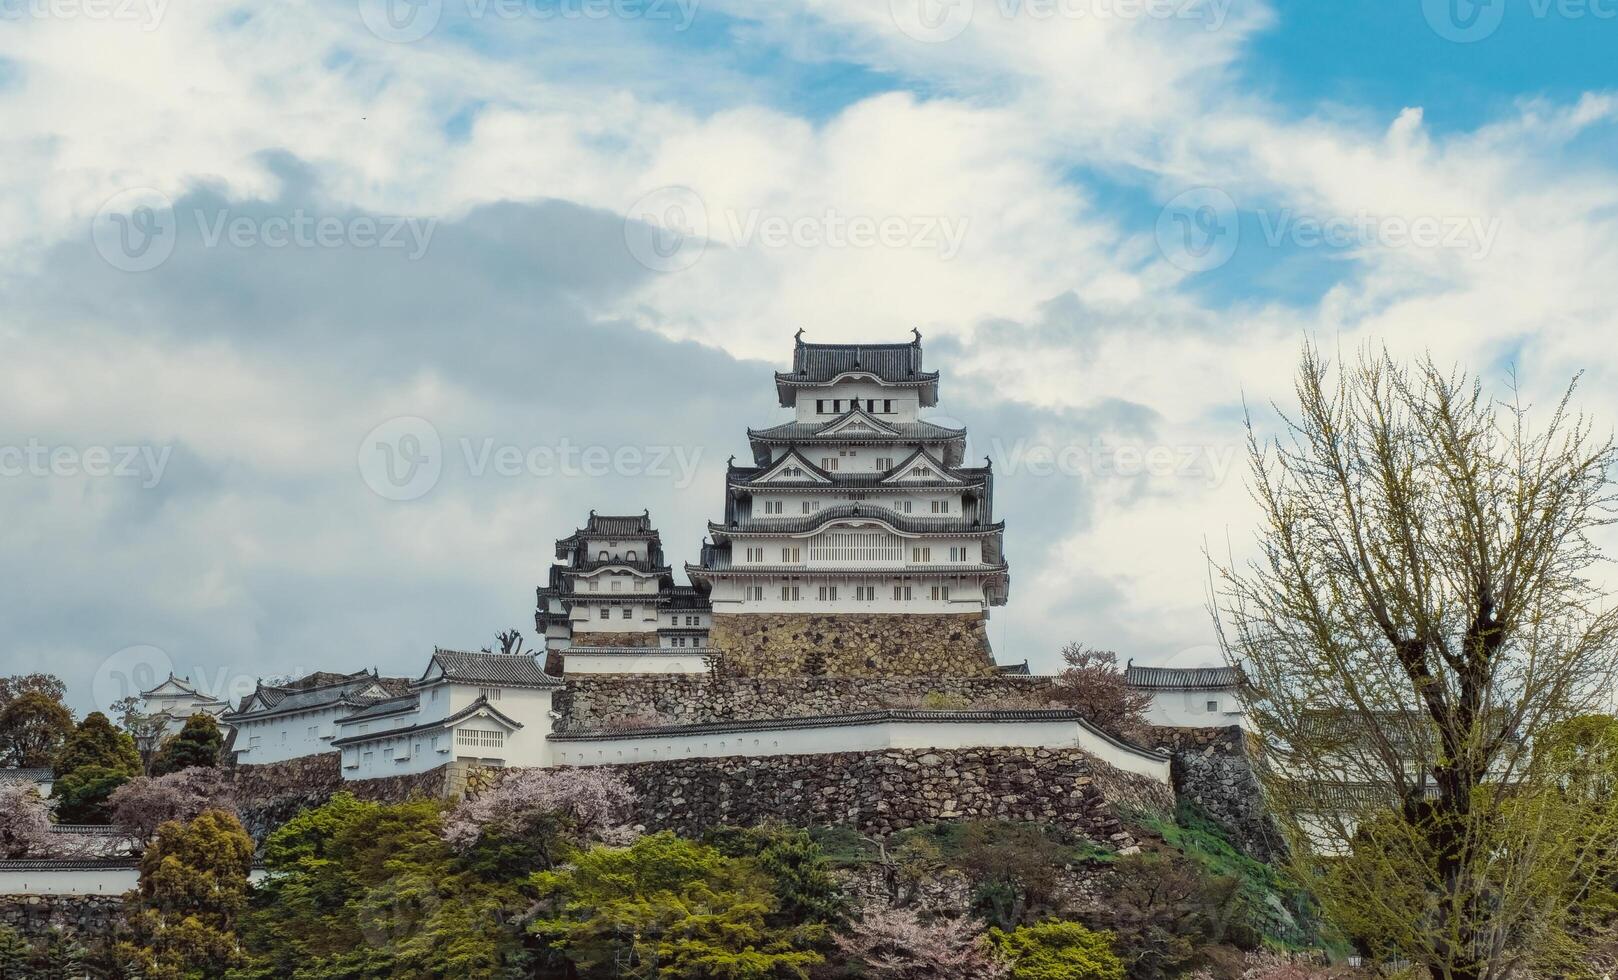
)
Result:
{"points": [[25, 821], [1057, 951]]}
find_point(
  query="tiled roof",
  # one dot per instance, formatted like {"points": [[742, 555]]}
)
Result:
{"points": [[909, 432], [799, 524], [719, 560], [518, 670], [350, 690], [25, 775], [378, 709], [1012, 670], [638, 526], [184, 684], [1182, 678], [688, 597], [893, 363]]}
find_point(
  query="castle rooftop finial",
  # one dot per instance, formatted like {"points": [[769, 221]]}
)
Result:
{"points": [[917, 334], [797, 338]]}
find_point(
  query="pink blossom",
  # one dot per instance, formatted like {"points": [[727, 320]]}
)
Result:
{"points": [[24, 821], [894, 944], [592, 803]]}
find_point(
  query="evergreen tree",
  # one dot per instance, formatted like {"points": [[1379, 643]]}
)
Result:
{"points": [[197, 744], [193, 885], [97, 742], [33, 727], [96, 760]]}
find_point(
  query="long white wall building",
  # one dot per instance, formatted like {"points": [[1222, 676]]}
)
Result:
{"points": [[490, 708]]}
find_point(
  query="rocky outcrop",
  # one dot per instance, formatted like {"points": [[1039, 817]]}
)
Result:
{"points": [[1213, 768], [852, 644], [607, 700], [882, 792]]}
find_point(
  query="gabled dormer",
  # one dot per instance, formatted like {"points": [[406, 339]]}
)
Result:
{"points": [[857, 423], [792, 468], [921, 467]]}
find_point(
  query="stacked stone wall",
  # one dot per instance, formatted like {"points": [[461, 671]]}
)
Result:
{"points": [[85, 915], [882, 792], [608, 638], [853, 644], [1213, 768], [608, 700]]}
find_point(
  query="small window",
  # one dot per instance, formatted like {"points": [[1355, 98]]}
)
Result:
{"points": [[1213, 706], [630, 554], [887, 405], [820, 406], [602, 556], [605, 612], [628, 612], [906, 506]]}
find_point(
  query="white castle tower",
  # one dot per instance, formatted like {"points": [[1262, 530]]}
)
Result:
{"points": [[857, 543]]}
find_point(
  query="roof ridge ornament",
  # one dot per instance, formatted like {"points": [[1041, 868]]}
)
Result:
{"points": [[917, 335], [797, 338]]}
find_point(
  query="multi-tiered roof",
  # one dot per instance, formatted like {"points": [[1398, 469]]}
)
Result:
{"points": [[857, 455]]}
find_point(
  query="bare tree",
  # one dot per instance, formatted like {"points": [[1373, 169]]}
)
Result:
{"points": [[1420, 613]]}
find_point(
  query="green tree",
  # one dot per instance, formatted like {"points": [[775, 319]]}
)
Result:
{"points": [[197, 744], [798, 870], [96, 759], [1422, 611], [84, 795], [33, 727], [1057, 951], [15, 954], [371, 890], [193, 886], [668, 907], [97, 742]]}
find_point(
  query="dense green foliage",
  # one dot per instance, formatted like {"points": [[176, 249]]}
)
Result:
{"points": [[193, 886], [33, 727], [197, 744], [95, 760], [669, 907], [1057, 951], [362, 889]]}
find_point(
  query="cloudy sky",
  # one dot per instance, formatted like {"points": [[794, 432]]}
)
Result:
{"points": [[549, 252]]}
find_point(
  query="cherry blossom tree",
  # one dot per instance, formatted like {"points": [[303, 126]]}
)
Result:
{"points": [[24, 821], [578, 804], [894, 944], [145, 802]]}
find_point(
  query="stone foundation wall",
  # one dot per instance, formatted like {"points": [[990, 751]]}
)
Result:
{"points": [[882, 792], [269, 795], [86, 915], [606, 638], [852, 644], [607, 700], [1213, 768]]}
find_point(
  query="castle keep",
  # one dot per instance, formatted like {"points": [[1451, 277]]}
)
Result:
{"points": [[856, 544]]}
